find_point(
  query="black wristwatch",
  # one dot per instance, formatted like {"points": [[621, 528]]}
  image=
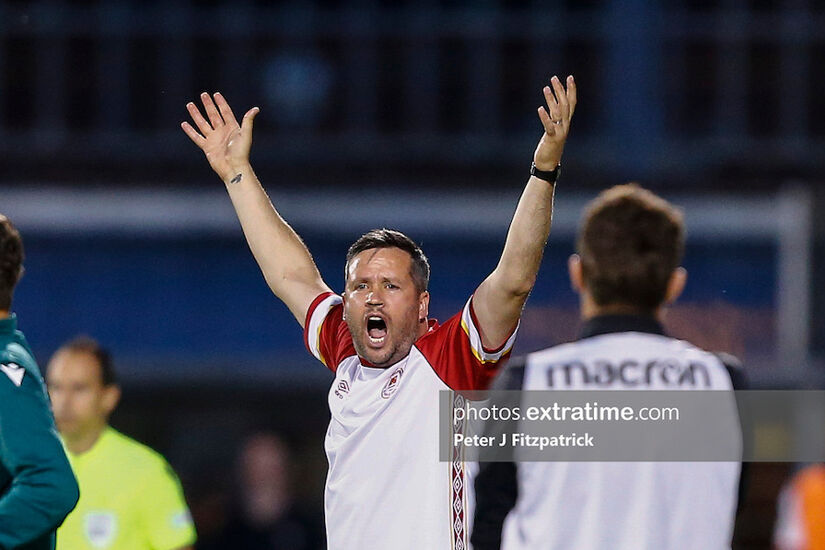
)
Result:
{"points": [[549, 177]]}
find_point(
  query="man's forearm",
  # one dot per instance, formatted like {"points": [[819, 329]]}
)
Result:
{"points": [[520, 260], [284, 260], [499, 299], [282, 256]]}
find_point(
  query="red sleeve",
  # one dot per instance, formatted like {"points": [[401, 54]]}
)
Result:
{"points": [[456, 354], [326, 335]]}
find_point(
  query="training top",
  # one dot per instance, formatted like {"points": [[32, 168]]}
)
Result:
{"points": [[37, 488], [616, 505], [386, 488], [130, 499]]}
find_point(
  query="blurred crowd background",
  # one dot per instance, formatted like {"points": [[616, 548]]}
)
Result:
{"points": [[414, 115]]}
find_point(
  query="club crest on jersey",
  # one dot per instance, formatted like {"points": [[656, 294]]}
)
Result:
{"points": [[392, 384], [342, 389], [100, 528]]}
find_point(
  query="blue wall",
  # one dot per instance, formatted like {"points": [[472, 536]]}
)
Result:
{"points": [[201, 302]]}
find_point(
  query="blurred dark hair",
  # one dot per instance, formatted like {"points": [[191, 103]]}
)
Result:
{"points": [[11, 261], [390, 238], [630, 242], [85, 344]]}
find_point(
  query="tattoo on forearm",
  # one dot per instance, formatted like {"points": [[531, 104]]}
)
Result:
{"points": [[236, 179]]}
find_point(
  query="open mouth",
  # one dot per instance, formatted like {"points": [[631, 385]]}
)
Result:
{"points": [[376, 329]]}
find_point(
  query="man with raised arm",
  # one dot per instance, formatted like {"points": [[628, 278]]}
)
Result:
{"points": [[386, 487]]}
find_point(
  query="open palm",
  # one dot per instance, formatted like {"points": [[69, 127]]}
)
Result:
{"points": [[560, 103], [225, 143]]}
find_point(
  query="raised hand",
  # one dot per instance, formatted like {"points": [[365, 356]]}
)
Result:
{"points": [[225, 143], [561, 103]]}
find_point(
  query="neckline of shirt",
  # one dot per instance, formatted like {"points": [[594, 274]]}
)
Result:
{"points": [[610, 324], [368, 372]]}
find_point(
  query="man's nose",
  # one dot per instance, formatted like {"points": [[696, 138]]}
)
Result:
{"points": [[374, 298]]}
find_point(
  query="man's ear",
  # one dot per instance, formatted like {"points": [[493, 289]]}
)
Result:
{"points": [[423, 306], [344, 298], [675, 285], [111, 397], [574, 269]]}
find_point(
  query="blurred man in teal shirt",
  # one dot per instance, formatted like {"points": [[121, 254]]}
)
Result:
{"points": [[37, 487]]}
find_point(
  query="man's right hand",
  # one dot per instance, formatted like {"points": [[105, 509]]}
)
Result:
{"points": [[225, 143], [283, 258]]}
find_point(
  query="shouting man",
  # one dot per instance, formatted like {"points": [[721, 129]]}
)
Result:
{"points": [[386, 487]]}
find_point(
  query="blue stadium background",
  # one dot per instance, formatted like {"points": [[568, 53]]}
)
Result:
{"points": [[718, 102]]}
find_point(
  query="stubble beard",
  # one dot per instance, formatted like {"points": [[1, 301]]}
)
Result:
{"points": [[403, 339]]}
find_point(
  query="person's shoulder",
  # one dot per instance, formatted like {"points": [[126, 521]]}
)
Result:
{"points": [[16, 352], [461, 321], [731, 363], [137, 455], [20, 369], [437, 332]]}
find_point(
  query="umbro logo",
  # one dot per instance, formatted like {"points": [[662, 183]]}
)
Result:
{"points": [[14, 371], [342, 389]]}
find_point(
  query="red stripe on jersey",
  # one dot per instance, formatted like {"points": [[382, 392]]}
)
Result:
{"points": [[334, 339], [318, 299], [447, 349]]}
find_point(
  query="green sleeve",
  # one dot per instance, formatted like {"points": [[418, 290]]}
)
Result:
{"points": [[164, 514], [43, 489]]}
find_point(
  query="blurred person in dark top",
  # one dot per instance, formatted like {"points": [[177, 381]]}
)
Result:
{"points": [[267, 516]]}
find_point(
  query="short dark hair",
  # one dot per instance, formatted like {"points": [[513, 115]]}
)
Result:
{"points": [[390, 238], [85, 344], [630, 242], [11, 260]]}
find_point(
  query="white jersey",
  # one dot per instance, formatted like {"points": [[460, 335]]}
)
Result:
{"points": [[622, 505], [386, 489]]}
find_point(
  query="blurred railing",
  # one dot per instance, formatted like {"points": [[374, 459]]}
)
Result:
{"points": [[166, 279], [665, 86]]}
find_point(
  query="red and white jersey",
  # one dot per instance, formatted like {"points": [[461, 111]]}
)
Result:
{"points": [[386, 488]]}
